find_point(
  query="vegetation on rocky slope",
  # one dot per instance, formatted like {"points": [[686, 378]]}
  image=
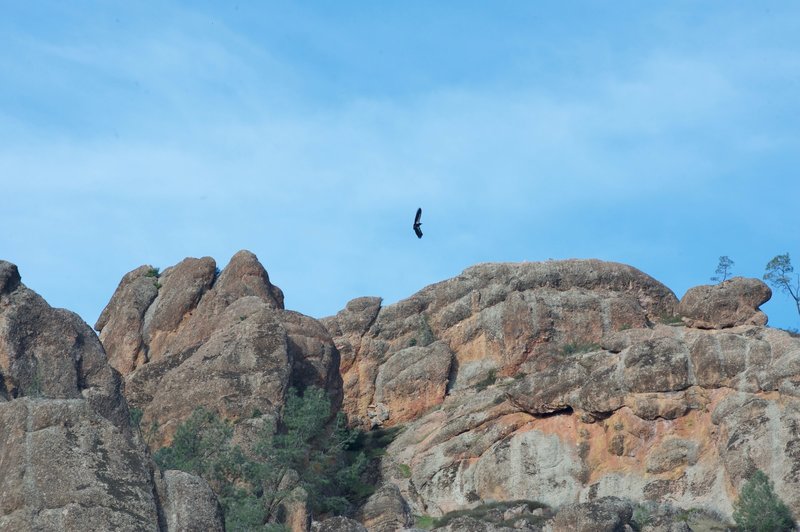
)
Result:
{"points": [[759, 509], [254, 485]]}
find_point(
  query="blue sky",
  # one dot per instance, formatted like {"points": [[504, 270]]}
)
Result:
{"points": [[662, 135]]}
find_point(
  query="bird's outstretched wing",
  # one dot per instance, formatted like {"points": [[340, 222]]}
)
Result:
{"points": [[417, 223]]}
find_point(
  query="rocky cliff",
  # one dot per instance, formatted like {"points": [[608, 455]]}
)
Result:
{"points": [[572, 381], [193, 336], [69, 458], [562, 395]]}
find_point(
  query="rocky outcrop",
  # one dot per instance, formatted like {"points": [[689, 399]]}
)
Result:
{"points": [[166, 332], [727, 304], [492, 320], [608, 514], [63, 466], [569, 382], [190, 504], [69, 458], [386, 510], [51, 353]]}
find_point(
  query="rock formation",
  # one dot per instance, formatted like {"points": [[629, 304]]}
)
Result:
{"points": [[727, 304], [69, 459], [166, 332], [572, 381]]}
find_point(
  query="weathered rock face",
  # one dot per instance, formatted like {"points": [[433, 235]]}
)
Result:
{"points": [[190, 504], [51, 353], [194, 336], [69, 459], [604, 515], [490, 320], [63, 466], [727, 304], [564, 386]]}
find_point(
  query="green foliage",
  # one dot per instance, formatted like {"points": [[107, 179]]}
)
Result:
{"points": [[425, 522], [759, 509], [641, 515], [405, 470], [778, 274], [34, 388], [199, 446], [575, 348], [153, 272], [135, 415], [374, 443], [253, 486], [723, 269], [671, 319]]}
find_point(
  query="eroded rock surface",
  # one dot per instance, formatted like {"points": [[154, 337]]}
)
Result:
{"points": [[727, 304], [215, 339], [569, 382], [490, 320], [69, 458]]}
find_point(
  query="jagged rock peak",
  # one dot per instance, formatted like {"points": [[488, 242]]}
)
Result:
{"points": [[228, 329], [148, 307]]}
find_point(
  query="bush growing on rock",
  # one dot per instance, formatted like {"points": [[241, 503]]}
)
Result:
{"points": [[759, 509], [253, 486]]}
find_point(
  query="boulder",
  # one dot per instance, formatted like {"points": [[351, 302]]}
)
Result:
{"points": [[727, 304], [608, 514], [338, 524], [386, 510], [69, 459], [567, 382], [190, 505], [51, 353]]}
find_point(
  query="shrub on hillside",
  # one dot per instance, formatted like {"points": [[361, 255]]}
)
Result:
{"points": [[759, 509], [252, 486]]}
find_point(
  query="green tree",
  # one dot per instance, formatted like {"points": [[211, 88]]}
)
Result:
{"points": [[759, 509], [723, 269], [779, 274], [308, 448]]}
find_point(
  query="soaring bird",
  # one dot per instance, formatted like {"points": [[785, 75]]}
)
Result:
{"points": [[417, 223]]}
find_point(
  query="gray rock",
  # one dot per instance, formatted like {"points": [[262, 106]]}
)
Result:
{"points": [[386, 510], [64, 467], [190, 505], [338, 524], [608, 514]]}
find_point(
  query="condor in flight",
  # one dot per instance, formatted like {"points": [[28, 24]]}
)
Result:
{"points": [[417, 223]]}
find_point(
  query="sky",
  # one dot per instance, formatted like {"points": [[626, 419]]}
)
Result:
{"points": [[663, 135]]}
